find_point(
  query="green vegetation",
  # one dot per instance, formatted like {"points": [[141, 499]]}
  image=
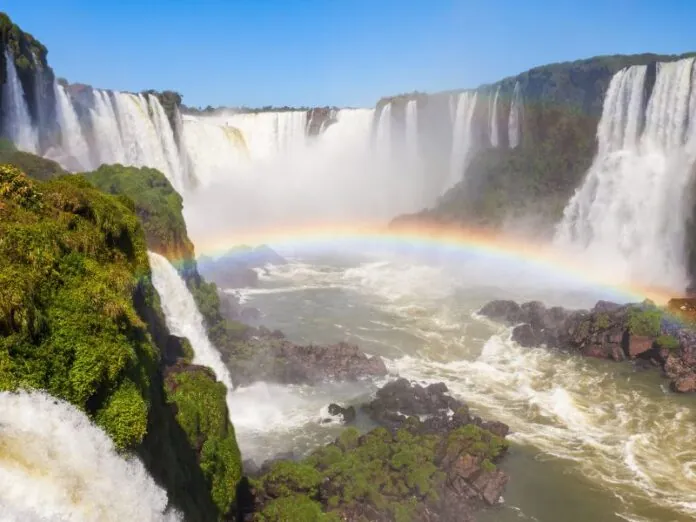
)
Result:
{"points": [[396, 474], [33, 166], [202, 413], [71, 259], [157, 205], [601, 321], [644, 321], [668, 342], [80, 319]]}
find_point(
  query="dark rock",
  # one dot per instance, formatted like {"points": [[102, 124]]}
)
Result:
{"points": [[603, 332], [524, 336], [347, 414], [491, 485], [638, 345], [271, 357], [504, 311]]}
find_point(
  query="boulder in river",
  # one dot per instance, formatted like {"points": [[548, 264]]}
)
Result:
{"points": [[641, 332]]}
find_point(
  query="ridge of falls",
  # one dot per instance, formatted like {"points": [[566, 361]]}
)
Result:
{"points": [[185, 320], [515, 117], [631, 212], [56, 465], [17, 121]]}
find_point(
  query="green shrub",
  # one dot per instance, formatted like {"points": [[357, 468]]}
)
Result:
{"points": [[644, 321]]}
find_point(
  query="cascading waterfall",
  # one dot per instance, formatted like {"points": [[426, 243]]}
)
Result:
{"points": [[463, 137], [412, 128], [515, 118], [175, 165], [631, 211], [17, 121], [383, 135], [73, 143], [184, 320], [108, 140], [493, 111], [56, 465]]}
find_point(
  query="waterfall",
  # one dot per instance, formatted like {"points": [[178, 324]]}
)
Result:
{"points": [[462, 137], [184, 319], [56, 465], [107, 134], [493, 111], [631, 211], [73, 141], [412, 128], [17, 121], [383, 135], [163, 129], [515, 118]]}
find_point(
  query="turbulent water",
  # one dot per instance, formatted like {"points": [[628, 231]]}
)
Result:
{"points": [[56, 466], [593, 440], [633, 207]]}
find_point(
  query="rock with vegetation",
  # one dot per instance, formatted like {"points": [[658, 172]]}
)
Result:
{"points": [[80, 319], [157, 204], [441, 469], [663, 337], [33, 166]]}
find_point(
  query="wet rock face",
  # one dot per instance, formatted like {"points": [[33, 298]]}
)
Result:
{"points": [[643, 333], [347, 415]]}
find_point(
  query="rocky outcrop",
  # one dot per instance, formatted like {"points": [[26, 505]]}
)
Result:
{"points": [[439, 469], [637, 332], [268, 356]]}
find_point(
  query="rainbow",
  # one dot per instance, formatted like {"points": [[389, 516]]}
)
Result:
{"points": [[437, 237]]}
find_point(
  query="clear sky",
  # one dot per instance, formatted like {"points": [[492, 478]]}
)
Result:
{"points": [[335, 52]]}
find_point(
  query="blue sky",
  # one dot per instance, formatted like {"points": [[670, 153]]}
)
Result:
{"points": [[335, 52]]}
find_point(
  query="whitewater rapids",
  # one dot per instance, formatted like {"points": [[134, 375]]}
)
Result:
{"points": [[591, 439]]}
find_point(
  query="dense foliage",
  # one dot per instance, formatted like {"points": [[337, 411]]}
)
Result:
{"points": [[70, 261], [157, 205], [80, 319], [202, 413], [393, 475]]}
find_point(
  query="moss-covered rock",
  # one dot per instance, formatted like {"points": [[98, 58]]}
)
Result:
{"points": [[202, 412], [443, 468], [71, 259], [157, 204], [33, 166], [80, 319]]}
